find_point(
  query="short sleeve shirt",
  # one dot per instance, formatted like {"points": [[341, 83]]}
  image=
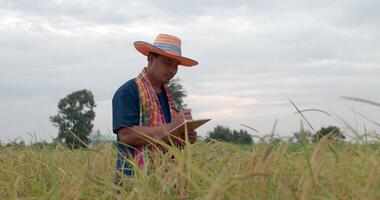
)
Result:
{"points": [[126, 106], [126, 113]]}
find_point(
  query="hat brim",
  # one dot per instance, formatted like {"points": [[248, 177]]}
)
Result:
{"points": [[144, 48]]}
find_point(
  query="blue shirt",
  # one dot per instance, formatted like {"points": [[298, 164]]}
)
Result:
{"points": [[126, 112]]}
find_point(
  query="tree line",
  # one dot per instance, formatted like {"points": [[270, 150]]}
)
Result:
{"points": [[76, 114]]}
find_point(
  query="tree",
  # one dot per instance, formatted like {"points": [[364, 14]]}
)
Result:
{"points": [[41, 145], [227, 135], [302, 136], [332, 132], [17, 143], [241, 137], [75, 116], [178, 92], [220, 133]]}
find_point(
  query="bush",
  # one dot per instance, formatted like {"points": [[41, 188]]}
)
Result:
{"points": [[225, 134]]}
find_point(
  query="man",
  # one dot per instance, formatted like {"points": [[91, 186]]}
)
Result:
{"points": [[145, 104]]}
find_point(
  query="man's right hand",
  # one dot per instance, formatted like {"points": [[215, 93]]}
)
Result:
{"points": [[179, 118], [132, 135]]}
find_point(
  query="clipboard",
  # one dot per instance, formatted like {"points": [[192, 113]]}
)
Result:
{"points": [[191, 125]]}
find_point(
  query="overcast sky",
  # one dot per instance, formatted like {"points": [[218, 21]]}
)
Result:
{"points": [[253, 56]]}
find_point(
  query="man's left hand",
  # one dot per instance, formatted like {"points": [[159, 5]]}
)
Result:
{"points": [[192, 135]]}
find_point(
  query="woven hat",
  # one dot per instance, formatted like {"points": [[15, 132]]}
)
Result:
{"points": [[166, 45]]}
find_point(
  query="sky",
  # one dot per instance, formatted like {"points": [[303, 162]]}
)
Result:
{"points": [[254, 56]]}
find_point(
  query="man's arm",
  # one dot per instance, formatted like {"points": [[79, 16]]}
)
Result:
{"points": [[139, 135]]}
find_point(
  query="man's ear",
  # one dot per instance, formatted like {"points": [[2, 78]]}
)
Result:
{"points": [[150, 58]]}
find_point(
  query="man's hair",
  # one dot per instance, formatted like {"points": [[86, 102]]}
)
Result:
{"points": [[152, 54]]}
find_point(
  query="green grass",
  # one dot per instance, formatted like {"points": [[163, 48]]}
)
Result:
{"points": [[202, 171]]}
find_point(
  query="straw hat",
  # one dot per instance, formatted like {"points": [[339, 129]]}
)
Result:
{"points": [[166, 45]]}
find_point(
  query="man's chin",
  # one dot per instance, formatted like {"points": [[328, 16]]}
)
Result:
{"points": [[167, 80]]}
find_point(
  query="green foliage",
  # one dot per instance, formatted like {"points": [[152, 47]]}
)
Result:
{"points": [[233, 136], [75, 116], [301, 137], [15, 144], [332, 132], [241, 137], [217, 170], [220, 133], [274, 141], [43, 145], [178, 92]]}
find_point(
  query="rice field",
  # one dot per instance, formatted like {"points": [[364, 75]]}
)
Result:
{"points": [[215, 170]]}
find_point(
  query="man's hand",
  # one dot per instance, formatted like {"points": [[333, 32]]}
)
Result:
{"points": [[179, 118], [192, 135], [187, 114], [133, 135]]}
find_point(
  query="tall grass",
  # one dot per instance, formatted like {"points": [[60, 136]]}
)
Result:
{"points": [[215, 170]]}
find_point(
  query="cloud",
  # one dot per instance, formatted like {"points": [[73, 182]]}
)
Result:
{"points": [[253, 55], [233, 101]]}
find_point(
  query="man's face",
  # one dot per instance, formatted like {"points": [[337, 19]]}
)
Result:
{"points": [[164, 68]]}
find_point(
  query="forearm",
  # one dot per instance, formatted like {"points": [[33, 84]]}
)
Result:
{"points": [[140, 135]]}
